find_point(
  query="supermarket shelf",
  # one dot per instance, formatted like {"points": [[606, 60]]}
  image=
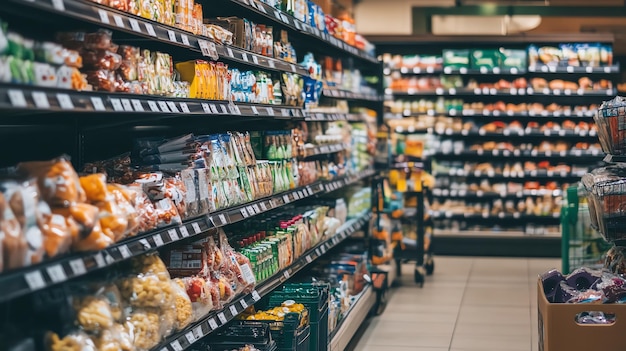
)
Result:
{"points": [[347, 180], [593, 154], [446, 193], [323, 149], [29, 98], [502, 215], [329, 117], [449, 70], [285, 19], [418, 165], [532, 133], [186, 338], [512, 176], [501, 114], [343, 94], [614, 158], [123, 21], [493, 234], [58, 270], [574, 70], [495, 92], [505, 71], [358, 312]]}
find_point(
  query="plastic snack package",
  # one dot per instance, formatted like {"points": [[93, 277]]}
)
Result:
{"points": [[192, 192], [239, 267], [112, 294], [93, 313], [214, 256], [167, 213], [205, 204], [102, 39], [175, 189], [75, 341], [613, 288], [113, 220], [151, 264], [119, 337], [95, 187], [199, 293], [14, 243], [183, 304], [124, 197], [146, 327], [94, 60], [146, 290], [147, 215], [57, 180]]}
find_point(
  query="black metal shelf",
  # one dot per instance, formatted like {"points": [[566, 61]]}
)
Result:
{"points": [[330, 117], [500, 114], [108, 17], [527, 175], [348, 95], [497, 71], [574, 70], [216, 319], [527, 133], [285, 19], [32, 98], [500, 216], [496, 92], [58, 270], [468, 194], [573, 155], [319, 150]]}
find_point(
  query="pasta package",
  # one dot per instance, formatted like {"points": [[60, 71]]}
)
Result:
{"points": [[147, 329], [76, 341]]}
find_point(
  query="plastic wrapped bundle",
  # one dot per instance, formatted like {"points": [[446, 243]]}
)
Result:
{"points": [[606, 189], [611, 120]]}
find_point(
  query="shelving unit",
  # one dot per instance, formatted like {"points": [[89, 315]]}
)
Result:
{"points": [[96, 125], [454, 164]]}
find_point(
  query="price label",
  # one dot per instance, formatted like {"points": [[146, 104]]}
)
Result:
{"points": [[65, 101], [206, 108], [172, 106], [309, 259], [196, 228], [184, 39], [214, 108], [78, 267], [124, 251], [119, 21], [222, 218], [190, 337], [58, 4], [34, 280], [128, 106], [56, 273], [256, 296], [224, 110], [286, 274], [183, 231], [244, 212], [244, 56], [184, 107], [263, 207], [172, 36], [270, 111], [296, 196], [150, 29], [233, 310], [163, 106], [17, 98], [271, 63], [286, 199], [117, 105], [285, 112], [99, 260], [251, 210], [134, 25], [212, 324], [222, 318], [153, 106], [137, 105], [173, 234], [439, 91], [197, 332], [41, 100], [243, 303]]}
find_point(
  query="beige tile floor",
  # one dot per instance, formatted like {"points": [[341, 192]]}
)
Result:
{"points": [[486, 304]]}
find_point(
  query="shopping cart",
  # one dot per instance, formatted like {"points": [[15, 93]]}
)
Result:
{"points": [[580, 244]]}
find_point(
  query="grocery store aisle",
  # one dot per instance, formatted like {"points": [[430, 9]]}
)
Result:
{"points": [[468, 304]]}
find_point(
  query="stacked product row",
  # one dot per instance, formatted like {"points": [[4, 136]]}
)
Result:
{"points": [[483, 144]]}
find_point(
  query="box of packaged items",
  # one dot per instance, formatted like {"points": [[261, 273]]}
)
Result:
{"points": [[581, 311]]}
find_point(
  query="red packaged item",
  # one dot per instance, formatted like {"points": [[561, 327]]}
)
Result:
{"points": [[101, 59], [236, 267], [102, 39], [147, 215], [200, 295], [102, 80]]}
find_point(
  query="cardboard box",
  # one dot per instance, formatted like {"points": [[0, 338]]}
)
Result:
{"points": [[558, 330]]}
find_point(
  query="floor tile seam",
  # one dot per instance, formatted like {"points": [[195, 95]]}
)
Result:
{"points": [[458, 315]]}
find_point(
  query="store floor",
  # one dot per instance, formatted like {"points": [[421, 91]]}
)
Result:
{"points": [[468, 304]]}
